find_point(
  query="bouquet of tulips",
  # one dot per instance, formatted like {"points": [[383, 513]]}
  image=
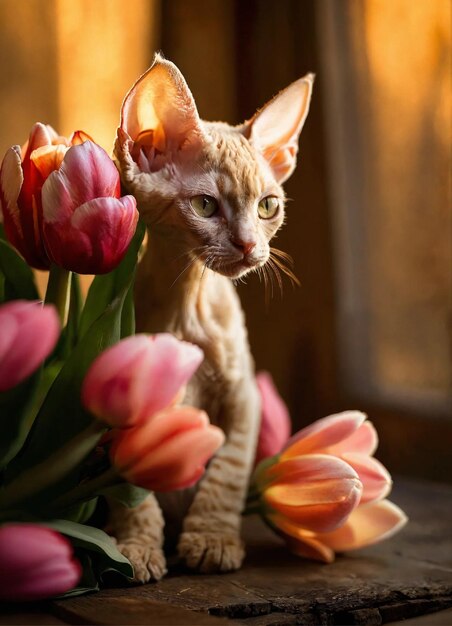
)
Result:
{"points": [[87, 408]]}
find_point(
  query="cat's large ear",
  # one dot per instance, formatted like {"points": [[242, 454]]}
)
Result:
{"points": [[275, 129], [159, 111]]}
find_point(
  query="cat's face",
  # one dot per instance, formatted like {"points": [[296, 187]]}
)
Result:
{"points": [[213, 188]]}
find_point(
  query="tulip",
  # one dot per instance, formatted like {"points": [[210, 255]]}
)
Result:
{"points": [[29, 332], [35, 563], [275, 419], [61, 203], [87, 225], [308, 496], [167, 452], [22, 175], [138, 377]]}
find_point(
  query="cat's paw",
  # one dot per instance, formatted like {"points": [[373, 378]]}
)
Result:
{"points": [[148, 561], [211, 552]]}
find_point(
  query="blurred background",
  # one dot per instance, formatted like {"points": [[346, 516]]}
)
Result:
{"points": [[370, 219]]}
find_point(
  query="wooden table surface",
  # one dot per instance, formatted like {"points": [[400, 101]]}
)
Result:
{"points": [[407, 576]]}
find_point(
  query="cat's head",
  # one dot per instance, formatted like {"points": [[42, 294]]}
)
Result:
{"points": [[214, 188]]}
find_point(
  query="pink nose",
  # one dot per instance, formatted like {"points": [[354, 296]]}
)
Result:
{"points": [[246, 246]]}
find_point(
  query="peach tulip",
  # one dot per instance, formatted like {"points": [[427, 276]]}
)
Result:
{"points": [[302, 490], [138, 377], [275, 420], [29, 332], [169, 451], [22, 175], [35, 563]]}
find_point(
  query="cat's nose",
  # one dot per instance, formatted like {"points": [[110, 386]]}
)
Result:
{"points": [[245, 246]]}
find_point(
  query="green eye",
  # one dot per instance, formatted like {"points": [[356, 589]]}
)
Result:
{"points": [[268, 207], [204, 206]]}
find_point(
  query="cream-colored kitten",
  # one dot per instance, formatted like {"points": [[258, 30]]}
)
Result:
{"points": [[211, 196]]}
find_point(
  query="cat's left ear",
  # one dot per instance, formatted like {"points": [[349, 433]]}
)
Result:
{"points": [[275, 129]]}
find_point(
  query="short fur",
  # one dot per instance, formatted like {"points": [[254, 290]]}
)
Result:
{"points": [[167, 156]]}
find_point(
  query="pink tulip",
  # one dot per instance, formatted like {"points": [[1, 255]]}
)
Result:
{"points": [[138, 377], [29, 332], [168, 452], [87, 225], [35, 563], [304, 492], [22, 175], [275, 419]]}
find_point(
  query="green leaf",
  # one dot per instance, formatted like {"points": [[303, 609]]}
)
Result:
{"points": [[69, 336], [88, 582], [126, 494], [62, 415], [18, 409], [96, 541], [128, 315], [106, 287], [19, 280]]}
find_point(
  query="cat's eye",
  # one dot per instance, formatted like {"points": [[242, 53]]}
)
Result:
{"points": [[204, 206], [268, 207]]}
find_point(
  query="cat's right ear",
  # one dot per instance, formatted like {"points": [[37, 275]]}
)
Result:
{"points": [[276, 128], [159, 113]]}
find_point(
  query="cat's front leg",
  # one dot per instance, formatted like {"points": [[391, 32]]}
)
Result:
{"points": [[139, 535], [210, 541]]}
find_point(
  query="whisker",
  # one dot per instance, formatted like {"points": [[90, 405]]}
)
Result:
{"points": [[274, 268]]}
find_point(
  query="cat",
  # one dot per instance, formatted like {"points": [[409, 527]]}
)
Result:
{"points": [[211, 196]]}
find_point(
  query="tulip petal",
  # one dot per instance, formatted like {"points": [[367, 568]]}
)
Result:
{"points": [[321, 507], [323, 433], [11, 179], [275, 422], [368, 524], [310, 468], [47, 159], [96, 238], [364, 441], [167, 368], [35, 335], [299, 541], [374, 476], [86, 173]]}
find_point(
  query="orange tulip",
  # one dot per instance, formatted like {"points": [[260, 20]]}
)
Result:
{"points": [[167, 452]]}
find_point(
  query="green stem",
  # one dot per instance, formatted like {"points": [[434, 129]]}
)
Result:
{"points": [[54, 468], [59, 290], [86, 490]]}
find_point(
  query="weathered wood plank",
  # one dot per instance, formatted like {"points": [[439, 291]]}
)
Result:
{"points": [[129, 609]]}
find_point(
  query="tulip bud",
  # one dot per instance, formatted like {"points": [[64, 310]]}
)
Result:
{"points": [[29, 332], [168, 452], [35, 563], [138, 377], [275, 420]]}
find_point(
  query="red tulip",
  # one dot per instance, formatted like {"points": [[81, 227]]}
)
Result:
{"points": [[169, 451], [22, 175], [35, 563], [87, 225], [61, 203], [29, 332], [138, 377], [275, 419]]}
